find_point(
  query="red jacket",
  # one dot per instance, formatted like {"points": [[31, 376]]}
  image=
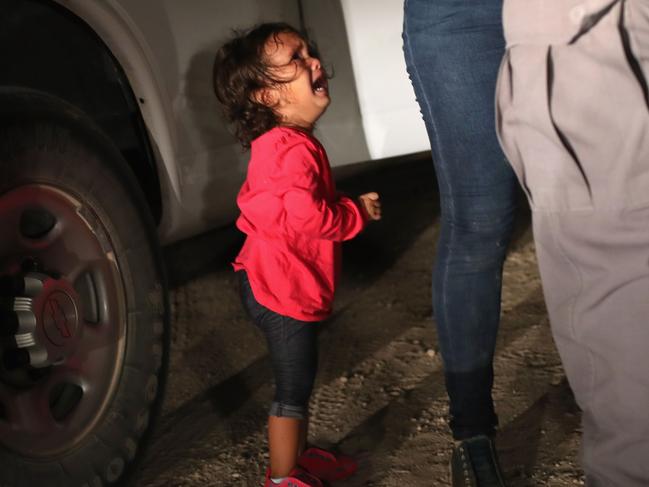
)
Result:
{"points": [[294, 221]]}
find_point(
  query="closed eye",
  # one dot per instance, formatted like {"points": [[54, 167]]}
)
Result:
{"points": [[301, 53]]}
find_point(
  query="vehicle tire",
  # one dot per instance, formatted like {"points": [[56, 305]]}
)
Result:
{"points": [[85, 306]]}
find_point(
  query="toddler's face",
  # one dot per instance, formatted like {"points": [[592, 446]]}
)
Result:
{"points": [[304, 96]]}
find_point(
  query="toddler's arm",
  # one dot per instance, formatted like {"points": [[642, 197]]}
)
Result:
{"points": [[307, 207]]}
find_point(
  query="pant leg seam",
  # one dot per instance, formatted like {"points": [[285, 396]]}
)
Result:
{"points": [[571, 320], [415, 72]]}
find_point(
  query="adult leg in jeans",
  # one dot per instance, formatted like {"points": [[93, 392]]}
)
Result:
{"points": [[453, 49]]}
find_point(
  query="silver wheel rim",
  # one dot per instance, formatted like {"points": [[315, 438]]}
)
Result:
{"points": [[81, 323]]}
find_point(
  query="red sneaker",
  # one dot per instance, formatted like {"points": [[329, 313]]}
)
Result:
{"points": [[297, 478], [326, 465]]}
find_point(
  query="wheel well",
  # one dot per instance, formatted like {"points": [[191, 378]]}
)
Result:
{"points": [[45, 47]]}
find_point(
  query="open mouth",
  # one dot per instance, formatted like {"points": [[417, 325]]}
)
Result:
{"points": [[319, 85]]}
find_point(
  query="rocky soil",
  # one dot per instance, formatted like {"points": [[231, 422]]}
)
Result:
{"points": [[379, 393]]}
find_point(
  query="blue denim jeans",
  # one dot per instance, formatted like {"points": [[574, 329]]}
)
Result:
{"points": [[293, 350], [453, 49]]}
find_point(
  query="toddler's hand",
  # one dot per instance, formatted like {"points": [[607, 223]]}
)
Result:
{"points": [[371, 204]]}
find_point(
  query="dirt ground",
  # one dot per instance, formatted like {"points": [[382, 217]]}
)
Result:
{"points": [[379, 393]]}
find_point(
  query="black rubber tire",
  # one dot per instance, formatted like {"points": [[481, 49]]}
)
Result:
{"points": [[44, 140]]}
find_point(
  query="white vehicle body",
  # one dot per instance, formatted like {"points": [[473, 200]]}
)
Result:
{"points": [[166, 49], [111, 143]]}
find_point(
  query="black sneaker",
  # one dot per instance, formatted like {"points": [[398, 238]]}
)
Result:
{"points": [[474, 464]]}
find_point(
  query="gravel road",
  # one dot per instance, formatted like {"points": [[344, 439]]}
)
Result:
{"points": [[379, 393]]}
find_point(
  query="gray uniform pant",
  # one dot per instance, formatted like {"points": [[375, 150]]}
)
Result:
{"points": [[573, 119]]}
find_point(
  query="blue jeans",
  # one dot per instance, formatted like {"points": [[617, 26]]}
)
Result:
{"points": [[293, 350], [453, 50]]}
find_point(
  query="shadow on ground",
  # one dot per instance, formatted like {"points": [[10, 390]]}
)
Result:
{"points": [[410, 201]]}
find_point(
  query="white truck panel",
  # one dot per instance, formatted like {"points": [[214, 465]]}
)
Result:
{"points": [[391, 118], [166, 48]]}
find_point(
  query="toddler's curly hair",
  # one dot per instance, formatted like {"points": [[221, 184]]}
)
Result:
{"points": [[240, 70]]}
